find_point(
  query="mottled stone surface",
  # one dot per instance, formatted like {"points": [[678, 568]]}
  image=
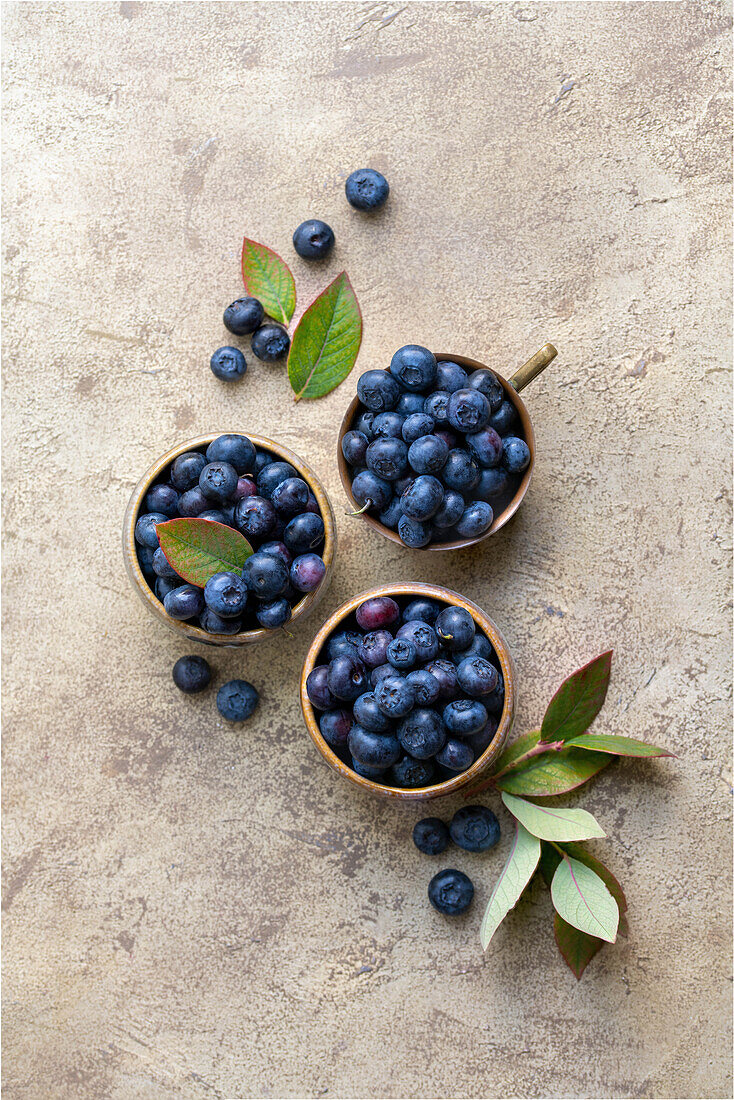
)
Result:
{"points": [[193, 910]]}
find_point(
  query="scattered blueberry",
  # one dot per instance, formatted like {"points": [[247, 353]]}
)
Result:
{"points": [[270, 342], [366, 189], [450, 892], [237, 700], [191, 674], [228, 364], [474, 828], [313, 239], [431, 836], [307, 572], [243, 316]]}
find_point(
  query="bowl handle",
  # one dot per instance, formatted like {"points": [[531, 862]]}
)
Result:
{"points": [[530, 370]]}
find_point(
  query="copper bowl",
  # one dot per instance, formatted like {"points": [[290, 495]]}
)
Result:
{"points": [[490, 754], [185, 629], [519, 380]]}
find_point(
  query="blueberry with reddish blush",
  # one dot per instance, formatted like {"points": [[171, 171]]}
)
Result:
{"points": [[377, 613], [335, 726], [277, 550], [371, 491], [461, 471], [354, 447], [486, 446], [474, 828], [184, 602], [162, 498], [145, 529], [468, 410], [423, 637], [304, 533], [431, 835], [255, 517], [395, 697], [401, 654], [422, 733], [243, 316], [455, 755], [186, 469], [246, 487], [451, 510], [416, 426], [368, 714], [375, 750], [515, 454], [411, 774], [455, 628], [488, 384], [317, 688], [378, 390], [388, 425], [464, 716], [347, 678], [373, 647], [238, 450], [445, 672], [307, 572], [273, 614], [413, 533], [414, 367], [475, 521], [265, 575]]}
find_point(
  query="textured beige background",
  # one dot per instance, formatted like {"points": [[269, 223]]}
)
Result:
{"points": [[197, 911]]}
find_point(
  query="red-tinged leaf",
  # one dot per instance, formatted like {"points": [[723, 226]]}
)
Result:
{"points": [[616, 746], [517, 749], [199, 548], [576, 947], [552, 773], [578, 700], [326, 341], [269, 279], [611, 883]]}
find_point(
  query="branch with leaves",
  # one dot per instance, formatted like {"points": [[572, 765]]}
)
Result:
{"points": [[590, 906]]}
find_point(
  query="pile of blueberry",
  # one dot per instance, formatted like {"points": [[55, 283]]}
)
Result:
{"points": [[433, 449], [473, 828], [235, 483], [409, 695], [236, 700]]}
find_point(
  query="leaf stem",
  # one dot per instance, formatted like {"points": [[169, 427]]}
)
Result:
{"points": [[537, 750], [365, 506]]}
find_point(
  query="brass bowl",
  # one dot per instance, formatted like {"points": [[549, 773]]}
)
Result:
{"points": [[185, 629], [490, 754], [519, 380]]}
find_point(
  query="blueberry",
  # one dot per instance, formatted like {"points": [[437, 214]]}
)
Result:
{"points": [[464, 716], [347, 678], [417, 425], [388, 425], [425, 686], [414, 367], [184, 602], [290, 497], [422, 608], [461, 471], [492, 484], [366, 189], [366, 772], [214, 515], [422, 498], [246, 487], [395, 697], [145, 529], [237, 700], [375, 750], [335, 726], [422, 733], [368, 488], [488, 384], [495, 703], [313, 240], [226, 595], [354, 447], [450, 892], [431, 835], [390, 516], [409, 403], [475, 521], [277, 550], [378, 390], [307, 572], [228, 364], [451, 510], [455, 755], [243, 316], [345, 641], [436, 405], [237, 450], [265, 575], [480, 742], [373, 648], [450, 438], [304, 533], [401, 654], [186, 469], [262, 459], [388, 458], [423, 637], [377, 613], [428, 454], [503, 418], [479, 647], [468, 410], [215, 624], [414, 533], [271, 475], [368, 714], [445, 672], [486, 446], [163, 499], [163, 568], [191, 674], [474, 828], [273, 613], [317, 688], [455, 628], [163, 585], [218, 481], [515, 454], [450, 377], [255, 517], [412, 773], [270, 342]]}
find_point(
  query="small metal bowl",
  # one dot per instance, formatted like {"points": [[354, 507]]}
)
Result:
{"points": [[185, 629], [490, 754], [519, 381]]}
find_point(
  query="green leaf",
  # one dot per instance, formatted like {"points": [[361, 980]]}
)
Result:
{"points": [[581, 897], [517, 748], [605, 875], [576, 947], [269, 279], [550, 857], [617, 746], [199, 548], [553, 822], [552, 773], [516, 874], [578, 700], [326, 341]]}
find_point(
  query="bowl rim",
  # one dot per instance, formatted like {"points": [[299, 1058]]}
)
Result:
{"points": [[502, 517], [184, 627], [490, 754]]}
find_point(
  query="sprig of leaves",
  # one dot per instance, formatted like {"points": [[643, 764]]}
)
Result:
{"points": [[590, 906]]}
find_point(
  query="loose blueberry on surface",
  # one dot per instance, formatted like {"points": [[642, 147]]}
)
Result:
{"points": [[388, 425], [237, 450], [163, 499], [422, 733], [464, 716], [243, 316], [313, 239], [270, 343], [369, 489], [450, 892], [377, 613], [414, 367], [218, 481], [475, 521], [486, 382], [431, 835], [215, 624], [417, 425], [515, 454], [375, 750], [354, 447], [401, 654], [395, 697], [264, 575], [461, 471], [317, 688], [368, 714], [436, 405], [255, 517], [423, 637], [378, 391], [226, 595], [186, 469], [274, 613], [347, 678], [455, 755], [411, 773], [474, 828], [366, 189], [191, 674], [184, 602], [503, 418], [455, 628], [163, 568], [228, 364], [335, 726], [304, 533], [237, 700], [468, 410], [307, 572]]}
